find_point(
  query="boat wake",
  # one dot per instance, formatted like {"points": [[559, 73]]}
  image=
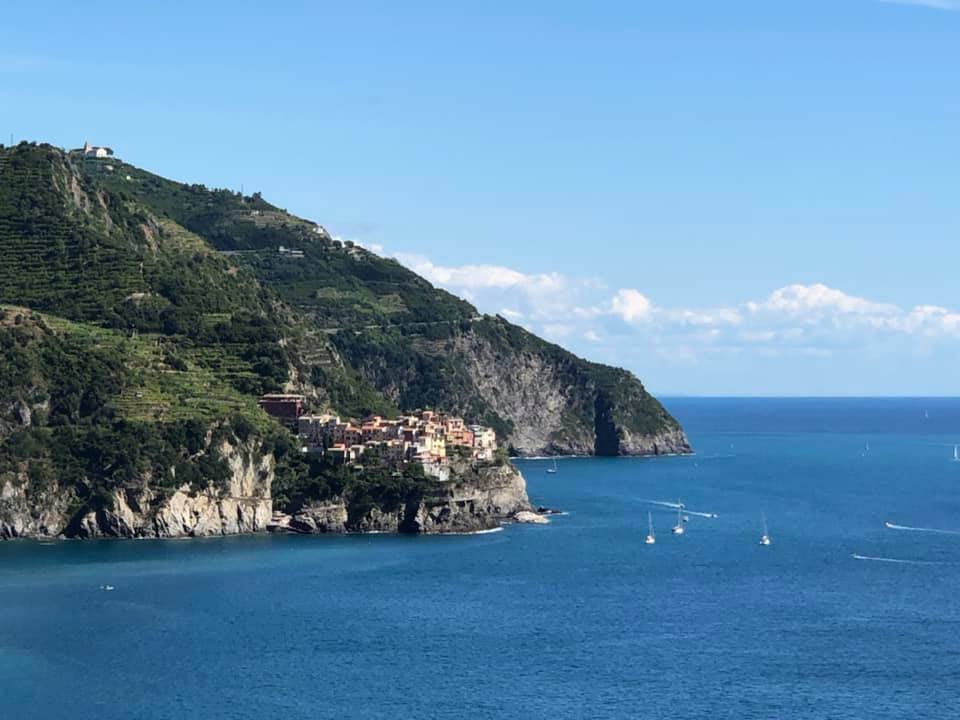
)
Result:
{"points": [[908, 528], [898, 561], [701, 514], [487, 531], [682, 506]]}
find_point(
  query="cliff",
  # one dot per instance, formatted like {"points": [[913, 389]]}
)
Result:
{"points": [[240, 504], [482, 497], [558, 404]]}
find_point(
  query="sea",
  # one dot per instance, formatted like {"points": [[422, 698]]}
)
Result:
{"points": [[840, 617]]}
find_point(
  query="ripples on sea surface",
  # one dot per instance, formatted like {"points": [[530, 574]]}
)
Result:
{"points": [[576, 619]]}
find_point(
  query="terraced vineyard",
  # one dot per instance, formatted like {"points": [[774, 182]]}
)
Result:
{"points": [[155, 388], [61, 248], [74, 249]]}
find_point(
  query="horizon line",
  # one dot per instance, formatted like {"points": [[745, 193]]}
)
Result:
{"points": [[801, 397]]}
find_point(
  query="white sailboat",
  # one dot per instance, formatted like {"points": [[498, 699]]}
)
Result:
{"points": [[956, 453], [553, 470], [678, 528], [765, 538], [651, 538]]}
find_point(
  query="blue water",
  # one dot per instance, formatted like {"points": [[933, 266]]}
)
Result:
{"points": [[574, 620]]}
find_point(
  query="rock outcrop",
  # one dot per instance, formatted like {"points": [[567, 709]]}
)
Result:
{"points": [[482, 497], [26, 514], [557, 404], [669, 442], [242, 505], [530, 518]]}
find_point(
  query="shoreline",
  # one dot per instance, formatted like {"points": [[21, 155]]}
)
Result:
{"points": [[50, 540], [602, 457], [58, 539]]}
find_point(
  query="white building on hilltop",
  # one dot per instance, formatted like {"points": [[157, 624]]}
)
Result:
{"points": [[96, 152]]}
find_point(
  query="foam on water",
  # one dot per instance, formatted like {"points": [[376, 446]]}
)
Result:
{"points": [[909, 528], [900, 561]]}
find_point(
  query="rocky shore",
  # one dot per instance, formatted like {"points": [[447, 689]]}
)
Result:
{"points": [[481, 497], [242, 505]]}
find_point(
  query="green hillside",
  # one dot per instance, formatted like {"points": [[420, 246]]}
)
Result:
{"points": [[89, 410], [72, 246], [414, 343], [200, 272], [141, 319]]}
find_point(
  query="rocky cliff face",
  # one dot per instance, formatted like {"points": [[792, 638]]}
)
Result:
{"points": [[668, 442], [481, 498], [26, 514], [557, 404], [242, 505]]}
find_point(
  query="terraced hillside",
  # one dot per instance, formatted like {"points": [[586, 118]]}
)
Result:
{"points": [[86, 412], [71, 246], [101, 434], [140, 320], [415, 344]]}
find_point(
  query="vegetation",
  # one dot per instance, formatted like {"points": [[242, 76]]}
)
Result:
{"points": [[93, 411], [141, 318], [398, 333], [304, 479]]}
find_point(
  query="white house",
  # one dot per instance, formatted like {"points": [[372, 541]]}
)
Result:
{"points": [[96, 152]]}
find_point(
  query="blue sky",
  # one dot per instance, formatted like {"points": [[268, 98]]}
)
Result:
{"points": [[725, 197]]}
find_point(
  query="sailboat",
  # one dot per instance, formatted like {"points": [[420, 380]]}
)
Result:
{"points": [[765, 538], [651, 538], [553, 470], [678, 528], [956, 453]]}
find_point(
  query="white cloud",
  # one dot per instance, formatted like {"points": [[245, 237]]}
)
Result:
{"points": [[702, 318], [480, 276], [931, 320], [817, 299], [542, 298], [797, 320], [631, 305]]}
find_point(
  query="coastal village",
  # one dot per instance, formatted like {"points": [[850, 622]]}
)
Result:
{"points": [[427, 437]]}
